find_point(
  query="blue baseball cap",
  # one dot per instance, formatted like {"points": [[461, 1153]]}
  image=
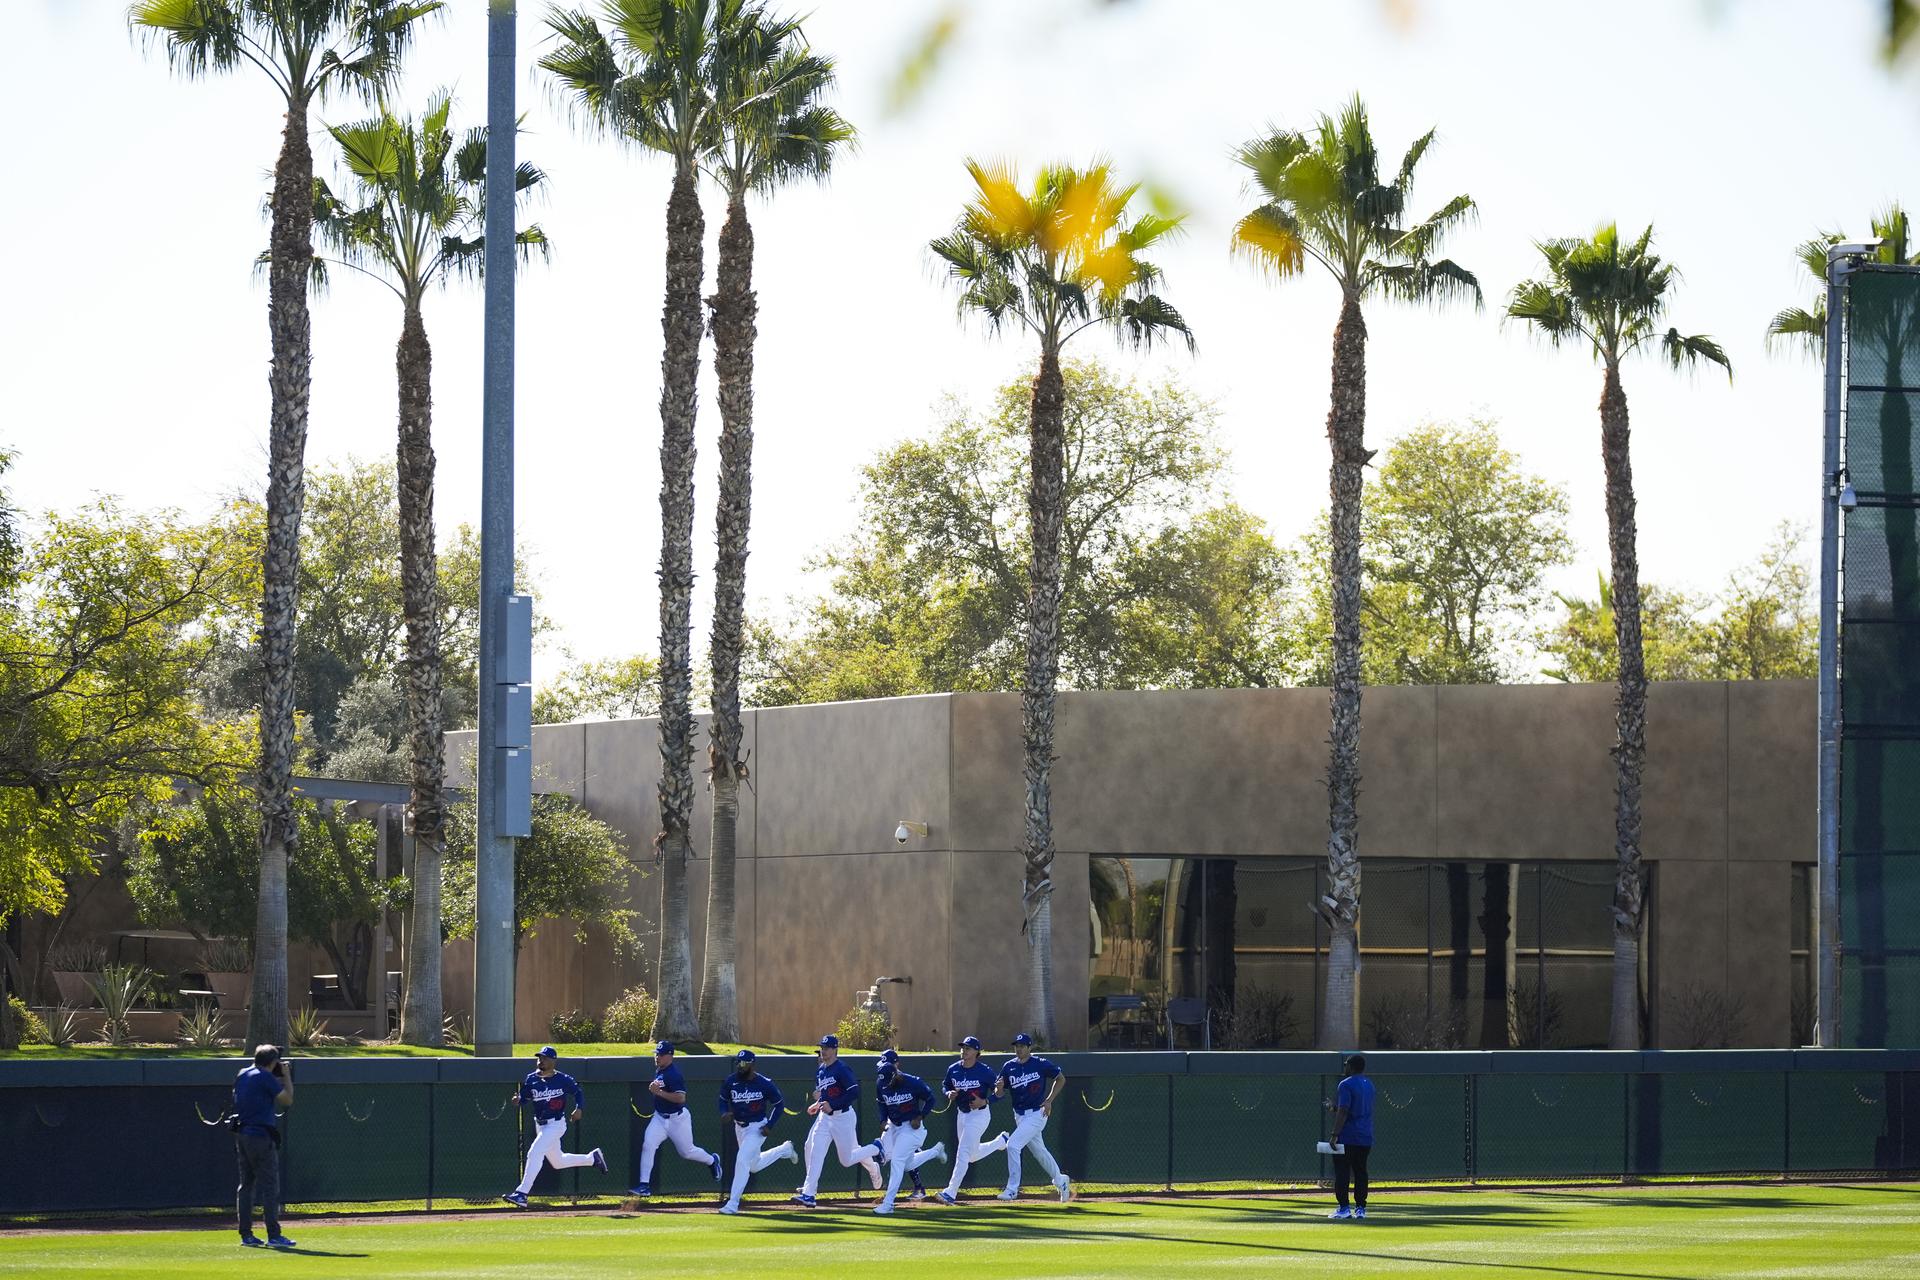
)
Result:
{"points": [[889, 1055], [971, 1042], [548, 1052], [665, 1046], [829, 1041], [886, 1068], [1023, 1038], [745, 1055]]}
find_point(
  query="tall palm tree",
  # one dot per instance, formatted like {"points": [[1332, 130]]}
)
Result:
{"points": [[647, 77], [307, 48], [1057, 259], [1610, 295], [773, 131], [1806, 327], [1323, 200], [415, 219]]}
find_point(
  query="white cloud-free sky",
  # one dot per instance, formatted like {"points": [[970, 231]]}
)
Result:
{"points": [[135, 349]]}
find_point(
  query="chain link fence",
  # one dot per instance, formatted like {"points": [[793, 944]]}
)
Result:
{"points": [[131, 1136]]}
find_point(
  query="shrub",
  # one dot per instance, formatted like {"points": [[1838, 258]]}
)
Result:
{"points": [[864, 1029], [574, 1027], [1402, 1020], [63, 1027], [202, 1028], [1256, 1017], [1538, 1014], [306, 1028], [1705, 1017], [629, 1020], [456, 1031], [32, 1030], [225, 955], [119, 989], [78, 957]]}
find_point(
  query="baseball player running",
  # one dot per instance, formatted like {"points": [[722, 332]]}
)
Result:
{"points": [[968, 1083], [836, 1092], [913, 1175], [753, 1103], [904, 1100], [546, 1090], [671, 1120], [1033, 1083]]}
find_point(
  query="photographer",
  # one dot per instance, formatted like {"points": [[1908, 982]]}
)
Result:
{"points": [[267, 1084]]}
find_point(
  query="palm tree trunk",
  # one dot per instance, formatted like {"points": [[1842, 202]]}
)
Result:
{"points": [[290, 329], [680, 324], [734, 308], [1630, 713], [422, 1020], [1046, 512], [1346, 432]]}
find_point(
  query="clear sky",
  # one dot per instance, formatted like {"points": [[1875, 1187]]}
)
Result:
{"points": [[135, 348]]}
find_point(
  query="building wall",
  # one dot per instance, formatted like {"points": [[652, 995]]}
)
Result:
{"points": [[829, 902]]}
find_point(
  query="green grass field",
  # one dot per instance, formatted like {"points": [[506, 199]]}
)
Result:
{"points": [[1660, 1233]]}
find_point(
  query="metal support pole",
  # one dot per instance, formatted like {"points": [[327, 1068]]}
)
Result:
{"points": [[1827, 998], [493, 932]]}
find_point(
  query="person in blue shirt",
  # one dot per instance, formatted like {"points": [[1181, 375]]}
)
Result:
{"points": [[544, 1094], [836, 1095], [904, 1102], [969, 1086], [1032, 1083], [913, 1175], [1352, 1132], [754, 1104], [671, 1119], [257, 1090]]}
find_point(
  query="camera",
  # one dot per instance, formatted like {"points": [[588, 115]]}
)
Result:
{"points": [[900, 834]]}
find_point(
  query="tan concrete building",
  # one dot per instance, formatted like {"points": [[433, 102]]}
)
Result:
{"points": [[1190, 828]]}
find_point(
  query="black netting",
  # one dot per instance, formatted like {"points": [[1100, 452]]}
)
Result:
{"points": [[1882, 562], [1420, 1127], [114, 1147], [1843, 1120], [1700, 1122], [476, 1136], [1880, 440], [1550, 1126], [1109, 1129], [1877, 1008], [1880, 904], [1880, 692], [357, 1142], [1883, 329], [1879, 796], [1248, 1128]]}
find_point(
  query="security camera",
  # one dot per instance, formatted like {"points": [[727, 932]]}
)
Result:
{"points": [[1848, 498], [900, 834], [909, 829]]}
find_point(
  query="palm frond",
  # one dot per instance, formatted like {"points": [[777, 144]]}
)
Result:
{"points": [[1271, 237], [1684, 351], [1799, 327]]}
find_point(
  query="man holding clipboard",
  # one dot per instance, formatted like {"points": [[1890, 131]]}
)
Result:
{"points": [[1351, 1137]]}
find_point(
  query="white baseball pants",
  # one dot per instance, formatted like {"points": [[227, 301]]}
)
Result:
{"points": [[1026, 1137], [546, 1146], [902, 1144], [839, 1130], [750, 1158], [967, 1147], [677, 1128]]}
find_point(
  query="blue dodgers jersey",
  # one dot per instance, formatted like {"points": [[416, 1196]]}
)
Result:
{"points": [[254, 1092], [673, 1082], [1356, 1095], [751, 1099], [971, 1082], [1027, 1082], [903, 1098], [548, 1095], [836, 1086]]}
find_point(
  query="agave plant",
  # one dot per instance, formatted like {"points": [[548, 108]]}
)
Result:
{"points": [[203, 1028], [120, 988], [306, 1028], [226, 955], [63, 1027]]}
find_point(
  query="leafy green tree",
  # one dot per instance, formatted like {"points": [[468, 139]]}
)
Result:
{"points": [[1159, 588], [1806, 327], [1056, 260], [574, 867], [307, 48], [600, 689], [1323, 199], [1609, 296], [1457, 543], [195, 865], [1762, 626], [774, 130], [413, 220], [649, 77]]}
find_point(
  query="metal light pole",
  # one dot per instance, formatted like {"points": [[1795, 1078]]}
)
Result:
{"points": [[493, 905], [1842, 261]]}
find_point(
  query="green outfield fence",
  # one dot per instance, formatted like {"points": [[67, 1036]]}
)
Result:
{"points": [[97, 1135]]}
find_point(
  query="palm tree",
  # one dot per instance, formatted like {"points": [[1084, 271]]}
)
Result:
{"points": [[1323, 200], [647, 78], [307, 48], [416, 220], [773, 131], [1807, 326], [1055, 260], [1610, 295]]}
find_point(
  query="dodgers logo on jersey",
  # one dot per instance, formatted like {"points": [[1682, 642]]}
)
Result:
{"points": [[896, 1099], [1024, 1081]]}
